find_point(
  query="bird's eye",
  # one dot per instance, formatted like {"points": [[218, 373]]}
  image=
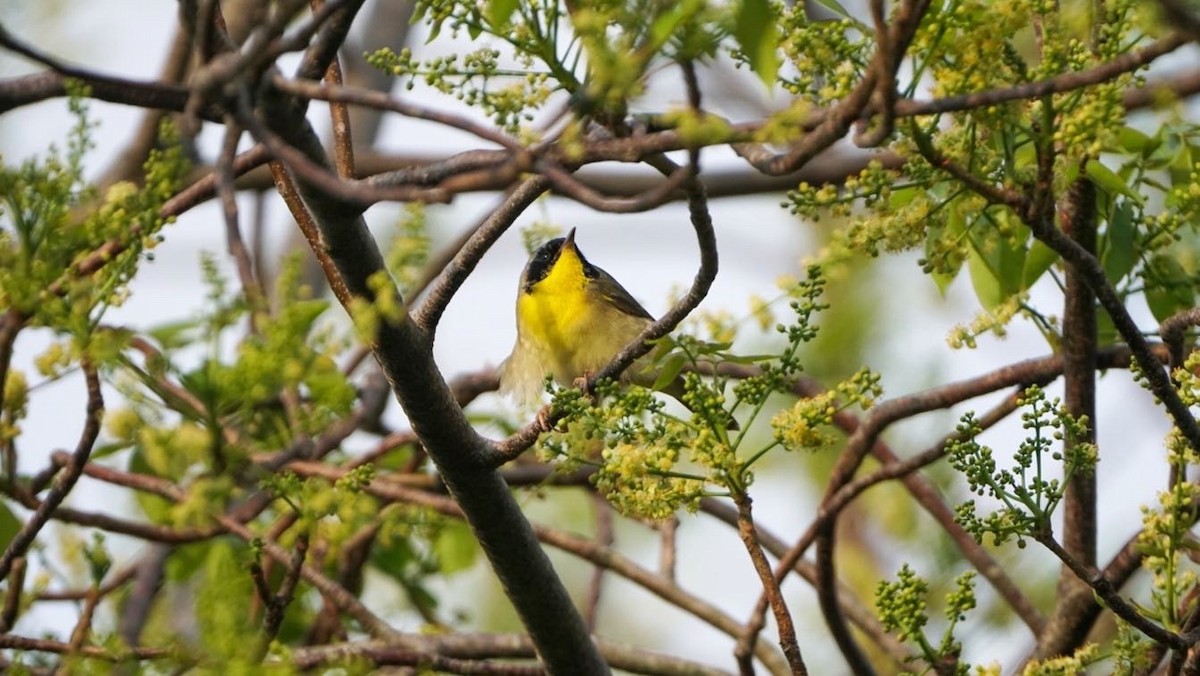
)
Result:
{"points": [[543, 259]]}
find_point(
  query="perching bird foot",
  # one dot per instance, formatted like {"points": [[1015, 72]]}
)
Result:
{"points": [[581, 384], [545, 418]]}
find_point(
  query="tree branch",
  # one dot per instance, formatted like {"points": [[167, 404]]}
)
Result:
{"points": [[65, 481]]}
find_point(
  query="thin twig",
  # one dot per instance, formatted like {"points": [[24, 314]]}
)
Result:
{"points": [[276, 602], [334, 93], [429, 312], [514, 646], [304, 221], [12, 595], [234, 243], [1103, 588], [352, 606], [84, 624], [668, 547], [783, 618], [604, 538], [14, 642], [64, 481], [339, 114]]}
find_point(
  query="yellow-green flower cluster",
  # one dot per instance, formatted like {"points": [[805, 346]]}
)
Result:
{"points": [[1188, 384], [1182, 200], [14, 407], [1066, 665], [714, 452], [636, 479], [986, 26], [1028, 497], [1131, 652], [476, 78], [872, 187], [1164, 542], [43, 242], [828, 58], [807, 425], [995, 321], [902, 228], [901, 604], [204, 497], [1090, 122], [409, 248], [813, 202]]}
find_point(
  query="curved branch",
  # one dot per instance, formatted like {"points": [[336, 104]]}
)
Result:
{"points": [[579, 191], [452, 276], [65, 481], [1172, 330], [379, 100]]}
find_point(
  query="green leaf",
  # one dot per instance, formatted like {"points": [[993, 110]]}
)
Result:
{"points": [[187, 560], [664, 25], [1109, 181], [1106, 331], [456, 548], [156, 508], [394, 558], [172, 335], [1134, 141], [223, 605], [1037, 261], [669, 372], [984, 279], [499, 12], [10, 525], [1168, 287], [935, 239], [398, 560], [1118, 257], [1182, 164], [996, 262], [756, 34], [835, 7], [306, 312]]}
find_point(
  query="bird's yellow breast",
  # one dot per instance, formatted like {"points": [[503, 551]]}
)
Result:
{"points": [[555, 311], [567, 327]]}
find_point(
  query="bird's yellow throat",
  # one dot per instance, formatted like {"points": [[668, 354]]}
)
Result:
{"points": [[553, 310]]}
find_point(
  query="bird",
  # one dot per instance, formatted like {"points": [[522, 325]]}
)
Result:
{"points": [[572, 319]]}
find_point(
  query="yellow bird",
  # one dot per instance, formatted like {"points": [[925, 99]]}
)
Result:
{"points": [[572, 319]]}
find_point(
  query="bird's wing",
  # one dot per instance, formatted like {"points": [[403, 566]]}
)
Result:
{"points": [[616, 294]]}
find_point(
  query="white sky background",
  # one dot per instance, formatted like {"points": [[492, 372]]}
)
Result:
{"points": [[651, 253]]}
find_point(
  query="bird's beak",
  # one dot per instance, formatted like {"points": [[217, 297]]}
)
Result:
{"points": [[569, 241]]}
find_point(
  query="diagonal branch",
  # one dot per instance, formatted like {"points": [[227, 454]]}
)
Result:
{"points": [[429, 312], [404, 353]]}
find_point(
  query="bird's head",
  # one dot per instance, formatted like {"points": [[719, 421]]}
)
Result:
{"points": [[557, 264]]}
